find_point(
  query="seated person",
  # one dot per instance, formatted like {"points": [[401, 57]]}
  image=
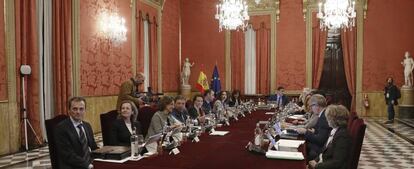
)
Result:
{"points": [[74, 138], [129, 90], [220, 106], [317, 136], [280, 98], [195, 111], [160, 120], [180, 112], [337, 149], [208, 101], [235, 99], [125, 125]]}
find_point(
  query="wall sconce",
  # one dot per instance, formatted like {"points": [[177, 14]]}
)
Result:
{"points": [[112, 27]]}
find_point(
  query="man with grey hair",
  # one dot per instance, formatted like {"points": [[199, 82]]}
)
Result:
{"points": [[317, 136], [129, 90]]}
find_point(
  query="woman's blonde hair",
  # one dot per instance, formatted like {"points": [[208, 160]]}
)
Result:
{"points": [[134, 109], [337, 116]]}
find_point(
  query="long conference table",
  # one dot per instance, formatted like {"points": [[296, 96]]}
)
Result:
{"points": [[214, 152]]}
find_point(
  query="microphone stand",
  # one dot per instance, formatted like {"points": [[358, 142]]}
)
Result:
{"points": [[25, 118]]}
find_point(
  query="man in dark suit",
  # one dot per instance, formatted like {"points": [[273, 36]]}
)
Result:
{"points": [[180, 112], [129, 90], [74, 138], [208, 100], [392, 94], [280, 98], [317, 136]]}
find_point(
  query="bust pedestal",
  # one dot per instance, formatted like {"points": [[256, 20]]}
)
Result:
{"points": [[406, 106], [185, 90]]}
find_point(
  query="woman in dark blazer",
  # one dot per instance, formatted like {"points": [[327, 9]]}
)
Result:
{"points": [[125, 124], [195, 111], [337, 149], [235, 99]]}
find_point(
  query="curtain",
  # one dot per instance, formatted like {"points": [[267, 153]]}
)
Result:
{"points": [[262, 59], [27, 53], [348, 40], [318, 51], [237, 60], [250, 61], [153, 39], [62, 54]]}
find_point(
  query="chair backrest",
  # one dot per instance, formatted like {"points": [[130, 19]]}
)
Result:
{"points": [[50, 133], [353, 116], [107, 120], [144, 117], [357, 133]]}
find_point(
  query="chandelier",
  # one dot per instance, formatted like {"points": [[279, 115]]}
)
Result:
{"points": [[232, 14], [112, 27], [337, 14]]}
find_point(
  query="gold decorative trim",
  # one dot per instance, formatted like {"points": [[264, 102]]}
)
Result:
{"points": [[228, 59], [360, 54], [10, 49], [265, 5], [76, 47], [134, 38], [13, 113], [159, 30], [157, 4]]}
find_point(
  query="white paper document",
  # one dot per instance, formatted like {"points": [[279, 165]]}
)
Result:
{"points": [[219, 133], [284, 155], [271, 113], [113, 161], [290, 143]]}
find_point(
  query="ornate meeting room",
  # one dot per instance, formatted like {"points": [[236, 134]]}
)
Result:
{"points": [[206, 84]]}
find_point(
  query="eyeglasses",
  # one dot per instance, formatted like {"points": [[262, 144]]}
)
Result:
{"points": [[313, 105]]}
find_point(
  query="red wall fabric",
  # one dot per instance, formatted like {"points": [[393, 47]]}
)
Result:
{"points": [[388, 33], [104, 65], [201, 40], [3, 64], [170, 46], [291, 46]]}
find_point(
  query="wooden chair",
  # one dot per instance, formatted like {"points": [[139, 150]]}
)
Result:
{"points": [[50, 129], [357, 133], [107, 120]]}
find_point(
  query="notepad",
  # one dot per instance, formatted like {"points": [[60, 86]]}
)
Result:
{"points": [[112, 161], [285, 155], [219, 133], [270, 113], [290, 145]]}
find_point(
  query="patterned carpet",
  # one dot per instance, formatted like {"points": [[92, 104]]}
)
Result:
{"points": [[382, 149]]}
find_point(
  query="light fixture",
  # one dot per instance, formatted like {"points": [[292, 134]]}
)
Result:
{"points": [[232, 14], [112, 27], [337, 14]]}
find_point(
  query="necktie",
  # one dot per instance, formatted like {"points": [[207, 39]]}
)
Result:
{"points": [[85, 148]]}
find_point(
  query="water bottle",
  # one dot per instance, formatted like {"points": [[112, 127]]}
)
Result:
{"points": [[258, 135], [134, 145]]}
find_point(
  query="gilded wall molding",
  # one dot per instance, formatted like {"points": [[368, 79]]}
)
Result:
{"points": [[12, 114], [265, 5], [310, 6], [134, 38], [76, 47], [228, 59]]}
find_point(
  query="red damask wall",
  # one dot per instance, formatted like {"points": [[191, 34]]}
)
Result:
{"points": [[170, 46], [104, 66], [3, 66], [201, 40], [291, 46], [388, 33]]}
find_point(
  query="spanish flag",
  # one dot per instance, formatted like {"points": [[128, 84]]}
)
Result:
{"points": [[202, 82]]}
